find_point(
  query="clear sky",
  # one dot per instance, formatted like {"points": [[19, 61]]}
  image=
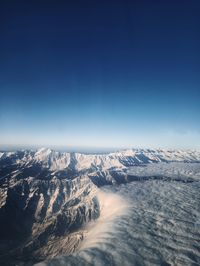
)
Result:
{"points": [[100, 73]]}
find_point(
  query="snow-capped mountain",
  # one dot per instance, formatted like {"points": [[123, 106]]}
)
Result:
{"points": [[54, 160], [101, 168], [47, 197]]}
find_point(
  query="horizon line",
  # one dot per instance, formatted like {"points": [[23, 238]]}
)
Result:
{"points": [[86, 149]]}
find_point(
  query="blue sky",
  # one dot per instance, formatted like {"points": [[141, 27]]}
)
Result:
{"points": [[100, 74]]}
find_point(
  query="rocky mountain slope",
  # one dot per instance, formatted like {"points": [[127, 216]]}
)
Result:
{"points": [[46, 197]]}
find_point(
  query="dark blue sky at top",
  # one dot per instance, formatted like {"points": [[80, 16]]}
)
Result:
{"points": [[100, 73]]}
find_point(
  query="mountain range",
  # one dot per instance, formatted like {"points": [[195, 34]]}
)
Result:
{"points": [[48, 197]]}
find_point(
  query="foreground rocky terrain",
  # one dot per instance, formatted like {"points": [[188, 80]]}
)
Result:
{"points": [[47, 198]]}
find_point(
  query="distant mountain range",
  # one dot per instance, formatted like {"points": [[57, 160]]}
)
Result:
{"points": [[54, 160]]}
